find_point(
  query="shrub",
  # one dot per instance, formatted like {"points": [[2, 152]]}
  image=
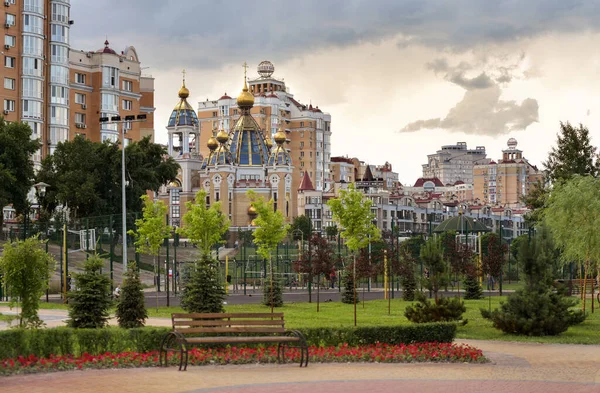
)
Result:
{"points": [[446, 309], [203, 291], [348, 288], [473, 290], [272, 293], [409, 286], [90, 301], [538, 309], [131, 309]]}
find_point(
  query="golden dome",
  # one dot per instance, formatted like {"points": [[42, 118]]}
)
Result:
{"points": [[253, 223], [222, 136], [184, 92], [280, 137], [252, 211], [269, 143], [212, 143], [245, 99]]}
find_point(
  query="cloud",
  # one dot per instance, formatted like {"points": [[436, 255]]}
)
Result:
{"points": [[482, 112], [210, 33]]}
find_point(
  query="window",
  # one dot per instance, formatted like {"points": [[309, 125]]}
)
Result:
{"points": [[32, 109], [9, 62], [301, 154], [301, 124], [127, 104], [302, 145], [9, 83], [60, 13], [302, 164], [80, 78], [10, 40], [110, 102], [59, 74], [33, 24], [235, 111], [32, 66], [32, 88], [59, 95], [110, 75], [127, 125], [11, 19], [34, 6], [79, 98], [59, 115], [127, 85], [214, 114], [58, 135], [59, 53], [9, 105], [80, 118]]}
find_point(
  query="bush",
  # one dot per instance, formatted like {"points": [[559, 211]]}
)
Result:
{"points": [[446, 309], [348, 288], [272, 296], [90, 302], [69, 341], [409, 286], [473, 290], [131, 308], [203, 291]]}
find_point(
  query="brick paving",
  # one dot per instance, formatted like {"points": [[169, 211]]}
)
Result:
{"points": [[514, 367]]}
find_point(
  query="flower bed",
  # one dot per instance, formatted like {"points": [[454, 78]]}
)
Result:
{"points": [[384, 353]]}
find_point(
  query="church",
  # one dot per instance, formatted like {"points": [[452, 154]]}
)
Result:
{"points": [[240, 159]]}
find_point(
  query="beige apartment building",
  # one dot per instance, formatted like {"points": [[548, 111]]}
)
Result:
{"points": [[58, 92], [507, 181], [307, 128], [454, 163]]}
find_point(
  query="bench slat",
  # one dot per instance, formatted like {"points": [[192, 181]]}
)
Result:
{"points": [[227, 315], [230, 330], [234, 339], [233, 322]]}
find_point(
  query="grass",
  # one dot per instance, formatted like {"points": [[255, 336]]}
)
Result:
{"points": [[375, 313]]}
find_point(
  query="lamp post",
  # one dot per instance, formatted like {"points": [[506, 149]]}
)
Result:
{"points": [[128, 120]]}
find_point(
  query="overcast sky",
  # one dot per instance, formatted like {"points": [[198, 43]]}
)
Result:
{"points": [[399, 77]]}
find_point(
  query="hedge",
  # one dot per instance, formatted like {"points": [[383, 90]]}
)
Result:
{"points": [[64, 340]]}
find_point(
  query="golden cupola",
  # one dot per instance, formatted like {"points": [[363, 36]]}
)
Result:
{"points": [[212, 143], [280, 137], [183, 114], [245, 99], [222, 136]]}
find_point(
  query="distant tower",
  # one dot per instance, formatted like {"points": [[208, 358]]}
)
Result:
{"points": [[265, 69]]}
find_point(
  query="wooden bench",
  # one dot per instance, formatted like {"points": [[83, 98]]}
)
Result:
{"points": [[229, 328], [576, 284]]}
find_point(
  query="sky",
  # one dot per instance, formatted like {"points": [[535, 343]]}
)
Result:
{"points": [[400, 78]]}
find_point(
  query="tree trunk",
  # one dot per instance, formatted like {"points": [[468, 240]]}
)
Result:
{"points": [[584, 285], [318, 290], [354, 285], [157, 279]]}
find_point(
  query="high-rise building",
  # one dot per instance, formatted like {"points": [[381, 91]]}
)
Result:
{"points": [[506, 182], [454, 163], [57, 91], [307, 128]]}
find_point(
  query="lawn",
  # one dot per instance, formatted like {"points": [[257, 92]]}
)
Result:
{"points": [[375, 313]]}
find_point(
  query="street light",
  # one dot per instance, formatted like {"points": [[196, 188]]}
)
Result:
{"points": [[117, 120]]}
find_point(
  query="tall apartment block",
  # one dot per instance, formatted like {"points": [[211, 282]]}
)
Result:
{"points": [[307, 128], [454, 163], [52, 88]]}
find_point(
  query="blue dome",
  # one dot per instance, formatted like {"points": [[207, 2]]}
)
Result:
{"points": [[248, 145]]}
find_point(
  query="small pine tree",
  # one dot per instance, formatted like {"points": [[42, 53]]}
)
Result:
{"points": [[131, 308], [272, 296], [443, 310], [348, 289], [90, 301], [203, 292], [538, 309], [409, 286], [473, 290]]}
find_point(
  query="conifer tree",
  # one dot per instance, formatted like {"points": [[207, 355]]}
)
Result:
{"points": [[348, 287], [131, 308], [473, 290], [272, 295], [90, 301], [203, 292]]}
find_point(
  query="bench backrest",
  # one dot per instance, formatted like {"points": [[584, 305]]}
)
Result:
{"points": [[228, 323]]}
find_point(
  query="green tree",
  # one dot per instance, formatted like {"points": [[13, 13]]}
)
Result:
{"points": [[131, 308], [203, 292], [432, 254], [318, 261], [573, 214], [302, 224], [90, 301], [16, 166], [538, 309], [86, 175], [151, 230], [204, 226], [352, 212], [271, 230], [26, 268], [331, 231], [406, 270], [573, 155], [494, 256]]}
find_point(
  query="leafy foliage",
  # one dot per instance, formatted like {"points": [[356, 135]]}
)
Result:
{"points": [[151, 229], [203, 225], [301, 223], [432, 255], [493, 260], [271, 227], [442, 310], [86, 175], [90, 301], [352, 211], [203, 292], [331, 231], [26, 269], [131, 309], [539, 309], [572, 215], [16, 166]]}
